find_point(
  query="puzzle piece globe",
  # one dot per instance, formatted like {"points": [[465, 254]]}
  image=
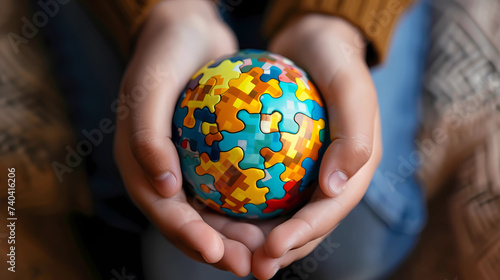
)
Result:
{"points": [[250, 130]]}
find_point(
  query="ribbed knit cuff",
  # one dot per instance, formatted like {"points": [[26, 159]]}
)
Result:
{"points": [[375, 19]]}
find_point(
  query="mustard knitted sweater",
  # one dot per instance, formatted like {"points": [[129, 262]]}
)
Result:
{"points": [[374, 18]]}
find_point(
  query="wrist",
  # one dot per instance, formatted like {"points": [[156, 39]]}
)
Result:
{"points": [[197, 19], [313, 28], [197, 13]]}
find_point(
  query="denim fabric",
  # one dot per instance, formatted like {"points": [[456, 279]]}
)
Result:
{"points": [[394, 193]]}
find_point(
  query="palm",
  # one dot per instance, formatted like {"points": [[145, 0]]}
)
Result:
{"points": [[350, 96], [143, 147]]}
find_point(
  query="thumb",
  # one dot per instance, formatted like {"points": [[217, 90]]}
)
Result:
{"points": [[159, 160], [343, 158], [351, 100]]}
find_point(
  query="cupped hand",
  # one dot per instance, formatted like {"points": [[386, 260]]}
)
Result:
{"points": [[176, 40], [333, 53]]}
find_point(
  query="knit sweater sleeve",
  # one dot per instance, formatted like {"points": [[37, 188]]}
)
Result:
{"points": [[374, 18], [122, 18]]}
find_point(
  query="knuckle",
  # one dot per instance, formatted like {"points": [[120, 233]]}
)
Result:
{"points": [[361, 148], [144, 145]]}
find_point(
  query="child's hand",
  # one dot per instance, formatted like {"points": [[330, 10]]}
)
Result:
{"points": [[176, 40], [333, 53]]}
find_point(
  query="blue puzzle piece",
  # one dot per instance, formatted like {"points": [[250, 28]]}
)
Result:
{"points": [[318, 112], [204, 115], [312, 170], [237, 58], [289, 105], [215, 195], [324, 137], [254, 212], [194, 135], [255, 63], [273, 182], [179, 115], [272, 73], [251, 140], [189, 163]]}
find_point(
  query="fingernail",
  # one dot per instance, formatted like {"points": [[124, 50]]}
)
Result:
{"points": [[164, 182], [276, 271], [337, 181], [203, 256]]}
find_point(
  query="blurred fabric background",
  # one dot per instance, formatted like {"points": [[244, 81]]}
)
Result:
{"points": [[76, 225]]}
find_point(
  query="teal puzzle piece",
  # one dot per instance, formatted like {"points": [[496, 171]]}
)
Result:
{"points": [[273, 182], [289, 105], [251, 139]]}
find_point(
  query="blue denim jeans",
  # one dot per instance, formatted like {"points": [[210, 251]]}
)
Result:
{"points": [[370, 242]]}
